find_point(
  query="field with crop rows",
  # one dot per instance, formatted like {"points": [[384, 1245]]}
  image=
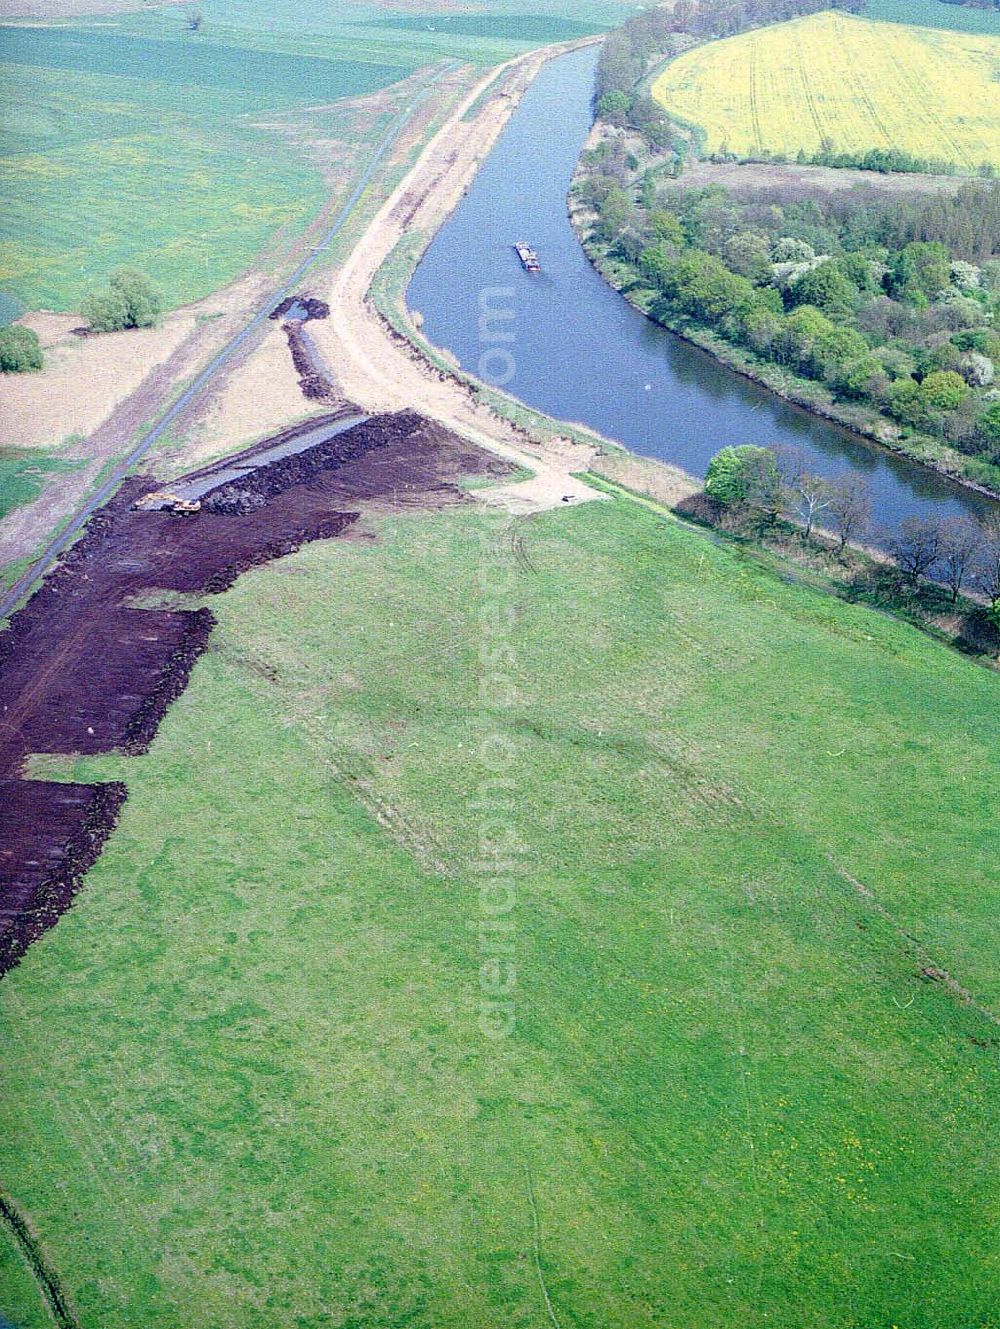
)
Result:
{"points": [[263, 1096], [836, 80]]}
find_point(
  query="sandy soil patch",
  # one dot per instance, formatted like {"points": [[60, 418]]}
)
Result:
{"points": [[760, 175], [258, 397], [120, 400], [379, 370], [84, 378]]}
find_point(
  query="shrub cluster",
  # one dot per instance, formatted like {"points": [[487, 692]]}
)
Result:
{"points": [[128, 301], [20, 350]]}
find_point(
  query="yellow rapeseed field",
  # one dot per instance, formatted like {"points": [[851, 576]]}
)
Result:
{"points": [[845, 81]]}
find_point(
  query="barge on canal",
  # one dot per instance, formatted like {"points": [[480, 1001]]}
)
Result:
{"points": [[528, 257]]}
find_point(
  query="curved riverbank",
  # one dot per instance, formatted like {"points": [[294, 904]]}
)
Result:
{"points": [[805, 394], [574, 350], [378, 365]]}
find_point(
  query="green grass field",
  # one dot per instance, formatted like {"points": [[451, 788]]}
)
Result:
{"points": [[129, 140], [936, 14], [22, 475], [188, 180], [250, 1087]]}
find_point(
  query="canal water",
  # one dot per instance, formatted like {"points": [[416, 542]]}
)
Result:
{"points": [[567, 343]]}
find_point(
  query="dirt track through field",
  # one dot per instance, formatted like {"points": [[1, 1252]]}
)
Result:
{"points": [[83, 672], [379, 370]]}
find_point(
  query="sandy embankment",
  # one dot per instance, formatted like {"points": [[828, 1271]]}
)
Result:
{"points": [[84, 378], [96, 393], [378, 371]]}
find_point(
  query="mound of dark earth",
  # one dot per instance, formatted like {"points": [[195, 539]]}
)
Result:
{"points": [[81, 672]]}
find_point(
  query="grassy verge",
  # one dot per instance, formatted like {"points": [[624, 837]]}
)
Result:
{"points": [[853, 574], [18, 1288], [23, 472], [135, 140], [263, 1095]]}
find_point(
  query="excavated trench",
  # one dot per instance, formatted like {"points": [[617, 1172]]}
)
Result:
{"points": [[82, 672], [314, 378]]}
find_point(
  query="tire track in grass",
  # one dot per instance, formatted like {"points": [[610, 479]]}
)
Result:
{"points": [[754, 103], [537, 1244], [43, 1274], [910, 76], [807, 95], [92, 1143], [930, 971]]}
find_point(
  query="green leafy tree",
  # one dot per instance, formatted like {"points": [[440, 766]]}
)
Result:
{"points": [[804, 331], [105, 311], [919, 270], [836, 347], [984, 341], [787, 249], [665, 227], [906, 403], [616, 214], [700, 285], [745, 476], [142, 301], [862, 378], [988, 424], [748, 253], [762, 329], [825, 287], [944, 390], [128, 301], [613, 106], [20, 350], [859, 272]]}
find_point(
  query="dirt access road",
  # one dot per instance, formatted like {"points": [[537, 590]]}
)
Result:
{"points": [[379, 370]]}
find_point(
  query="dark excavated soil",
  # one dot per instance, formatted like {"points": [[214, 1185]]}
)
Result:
{"points": [[80, 672], [52, 834], [313, 308], [314, 383]]}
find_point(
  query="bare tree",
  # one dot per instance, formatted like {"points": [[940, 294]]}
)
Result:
{"points": [[807, 494], [961, 545], [851, 508], [915, 546], [815, 495], [988, 568]]}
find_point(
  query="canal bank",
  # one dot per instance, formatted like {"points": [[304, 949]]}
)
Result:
{"points": [[567, 344]]}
